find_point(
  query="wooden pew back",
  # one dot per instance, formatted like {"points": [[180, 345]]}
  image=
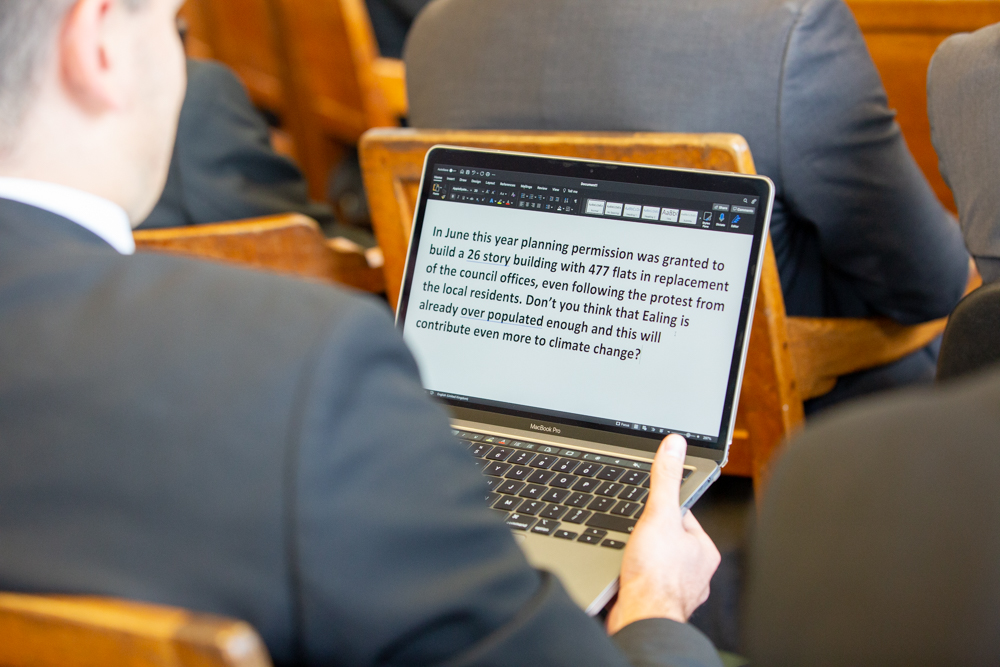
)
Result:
{"points": [[790, 359], [53, 631], [336, 79], [289, 243], [770, 406]]}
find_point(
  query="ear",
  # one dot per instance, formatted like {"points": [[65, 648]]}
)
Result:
{"points": [[85, 52]]}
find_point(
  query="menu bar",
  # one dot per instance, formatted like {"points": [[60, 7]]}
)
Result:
{"points": [[627, 201]]}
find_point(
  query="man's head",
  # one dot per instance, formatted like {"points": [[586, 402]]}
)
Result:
{"points": [[90, 93]]}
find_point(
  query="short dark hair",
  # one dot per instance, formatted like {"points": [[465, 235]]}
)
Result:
{"points": [[27, 30]]}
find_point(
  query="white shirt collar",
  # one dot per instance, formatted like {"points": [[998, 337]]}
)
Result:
{"points": [[104, 218]]}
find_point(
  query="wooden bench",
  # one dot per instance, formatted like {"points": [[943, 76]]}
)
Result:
{"points": [[290, 243], [790, 359], [63, 631]]}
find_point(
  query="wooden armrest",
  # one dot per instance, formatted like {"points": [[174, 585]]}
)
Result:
{"points": [[289, 243], [825, 348], [391, 76], [51, 631]]}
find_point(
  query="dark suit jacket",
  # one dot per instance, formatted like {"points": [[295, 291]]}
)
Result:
{"points": [[223, 167], [247, 444], [391, 20], [878, 541], [963, 93], [857, 230]]}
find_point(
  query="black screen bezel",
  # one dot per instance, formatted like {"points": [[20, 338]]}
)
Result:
{"points": [[755, 186]]}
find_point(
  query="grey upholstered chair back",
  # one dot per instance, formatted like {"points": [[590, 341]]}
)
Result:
{"points": [[972, 338]]}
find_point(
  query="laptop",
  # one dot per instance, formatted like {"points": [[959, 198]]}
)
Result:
{"points": [[571, 314]]}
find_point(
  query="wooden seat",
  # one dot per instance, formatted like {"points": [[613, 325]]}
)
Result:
{"points": [[790, 359], [902, 35], [290, 243], [335, 78], [57, 631]]}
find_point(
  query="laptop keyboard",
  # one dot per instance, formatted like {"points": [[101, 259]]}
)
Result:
{"points": [[562, 493]]}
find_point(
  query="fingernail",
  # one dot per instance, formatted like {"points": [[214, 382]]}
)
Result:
{"points": [[676, 446]]}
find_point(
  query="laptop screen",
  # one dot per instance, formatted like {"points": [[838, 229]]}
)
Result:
{"points": [[601, 297]]}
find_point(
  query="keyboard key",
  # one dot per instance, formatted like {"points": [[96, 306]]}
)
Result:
{"points": [[609, 489], [602, 504], [588, 469], [518, 472], [634, 477], [556, 495], [508, 503], [610, 473], [625, 508], [589, 539], [496, 469], [565, 535], [531, 507], [566, 465], [521, 458], [563, 481], [545, 527], [501, 513], [548, 449], [492, 498], [520, 521], [541, 477], [613, 544], [633, 494], [579, 499], [594, 532], [479, 449], [511, 487], [533, 491], [471, 436], [492, 482], [586, 485], [612, 522], [639, 513], [479, 463], [577, 516], [554, 512], [500, 453], [687, 473], [543, 461]]}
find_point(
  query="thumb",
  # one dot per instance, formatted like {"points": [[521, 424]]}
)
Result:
{"points": [[666, 476]]}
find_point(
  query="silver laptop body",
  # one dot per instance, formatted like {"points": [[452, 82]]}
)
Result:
{"points": [[571, 314]]}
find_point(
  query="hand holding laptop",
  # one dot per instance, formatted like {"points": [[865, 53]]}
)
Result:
{"points": [[669, 560]]}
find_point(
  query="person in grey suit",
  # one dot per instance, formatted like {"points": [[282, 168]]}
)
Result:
{"points": [[963, 93], [857, 230], [242, 443]]}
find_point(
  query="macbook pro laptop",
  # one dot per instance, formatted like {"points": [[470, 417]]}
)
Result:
{"points": [[571, 314]]}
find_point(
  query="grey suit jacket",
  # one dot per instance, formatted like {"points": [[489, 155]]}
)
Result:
{"points": [[877, 543], [252, 445], [963, 95], [223, 167], [857, 230]]}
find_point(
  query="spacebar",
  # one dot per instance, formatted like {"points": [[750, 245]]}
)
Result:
{"points": [[611, 522]]}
